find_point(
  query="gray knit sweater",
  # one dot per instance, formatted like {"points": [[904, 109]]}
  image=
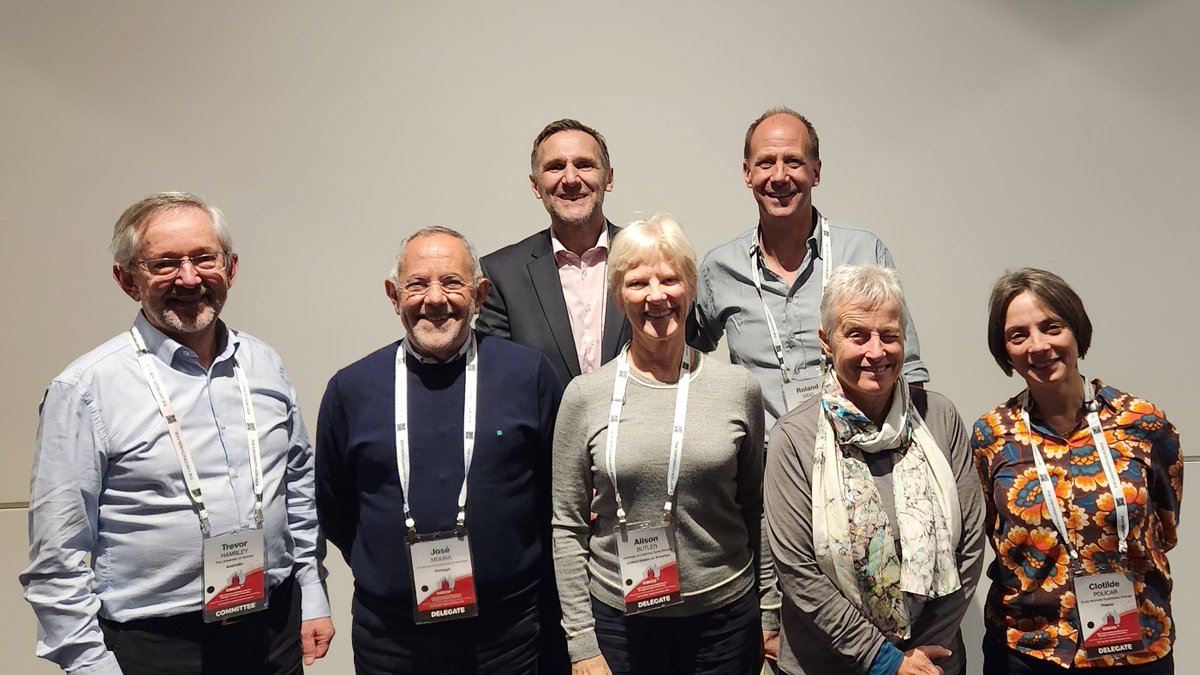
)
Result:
{"points": [[718, 498]]}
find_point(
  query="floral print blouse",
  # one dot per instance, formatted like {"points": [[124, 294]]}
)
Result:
{"points": [[1031, 603]]}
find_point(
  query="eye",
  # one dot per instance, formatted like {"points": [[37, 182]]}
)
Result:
{"points": [[889, 337], [1055, 328], [453, 284], [163, 265], [857, 336], [416, 286], [1016, 337]]}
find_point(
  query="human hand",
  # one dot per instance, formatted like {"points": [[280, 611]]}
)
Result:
{"points": [[593, 666], [770, 645], [315, 636], [920, 660]]}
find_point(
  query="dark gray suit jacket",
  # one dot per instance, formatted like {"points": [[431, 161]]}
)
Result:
{"points": [[525, 304]]}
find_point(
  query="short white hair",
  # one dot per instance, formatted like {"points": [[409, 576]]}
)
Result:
{"points": [[867, 284]]}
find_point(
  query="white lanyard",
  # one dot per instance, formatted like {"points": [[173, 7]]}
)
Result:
{"points": [[403, 463], [614, 423], [826, 270], [1049, 497], [191, 478]]}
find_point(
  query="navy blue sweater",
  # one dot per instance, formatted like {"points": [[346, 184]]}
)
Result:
{"points": [[359, 499]]}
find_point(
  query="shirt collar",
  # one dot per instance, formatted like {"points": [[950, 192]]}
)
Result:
{"points": [[814, 239], [167, 349], [560, 250], [431, 361]]}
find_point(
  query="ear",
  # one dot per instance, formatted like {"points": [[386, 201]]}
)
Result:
{"points": [[231, 271], [608, 183], [825, 346], [746, 172], [127, 281], [534, 186], [481, 291], [393, 294], [816, 173]]}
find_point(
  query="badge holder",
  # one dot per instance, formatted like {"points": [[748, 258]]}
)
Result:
{"points": [[649, 566], [234, 575], [443, 576], [796, 392], [1109, 621]]}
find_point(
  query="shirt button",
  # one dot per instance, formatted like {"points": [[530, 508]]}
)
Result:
{"points": [[235, 473]]}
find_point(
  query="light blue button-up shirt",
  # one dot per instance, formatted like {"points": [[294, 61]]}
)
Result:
{"points": [[728, 304], [112, 530]]}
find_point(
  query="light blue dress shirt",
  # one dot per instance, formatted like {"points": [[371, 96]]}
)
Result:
{"points": [[112, 531], [728, 304]]}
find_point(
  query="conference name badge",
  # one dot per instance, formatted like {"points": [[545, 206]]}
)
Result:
{"points": [[1108, 615], [234, 575], [649, 567], [796, 392], [443, 577]]}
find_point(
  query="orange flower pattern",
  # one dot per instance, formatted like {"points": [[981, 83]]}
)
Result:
{"points": [[1031, 601]]}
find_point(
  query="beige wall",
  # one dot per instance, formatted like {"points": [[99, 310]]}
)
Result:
{"points": [[971, 136]]}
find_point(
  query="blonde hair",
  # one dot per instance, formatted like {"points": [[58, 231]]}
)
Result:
{"points": [[647, 240]]}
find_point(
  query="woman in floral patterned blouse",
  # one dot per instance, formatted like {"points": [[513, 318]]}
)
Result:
{"points": [[1037, 326]]}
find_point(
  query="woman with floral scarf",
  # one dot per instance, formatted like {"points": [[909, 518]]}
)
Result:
{"points": [[873, 507]]}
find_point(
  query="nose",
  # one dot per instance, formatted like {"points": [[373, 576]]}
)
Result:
{"points": [[656, 292], [570, 175], [874, 347], [1038, 342], [778, 172], [435, 295], [187, 275]]}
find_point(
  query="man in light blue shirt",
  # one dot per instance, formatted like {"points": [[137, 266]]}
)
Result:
{"points": [[118, 525], [773, 273]]}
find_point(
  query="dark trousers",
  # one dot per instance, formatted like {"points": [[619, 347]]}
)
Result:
{"points": [[263, 643], [500, 643], [998, 659], [722, 641]]}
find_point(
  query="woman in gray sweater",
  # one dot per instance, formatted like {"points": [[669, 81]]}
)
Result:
{"points": [[658, 487], [873, 506]]}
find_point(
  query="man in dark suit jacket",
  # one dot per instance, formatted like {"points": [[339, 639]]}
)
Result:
{"points": [[549, 291]]}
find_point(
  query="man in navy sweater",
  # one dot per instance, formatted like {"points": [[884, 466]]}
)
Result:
{"points": [[441, 504]]}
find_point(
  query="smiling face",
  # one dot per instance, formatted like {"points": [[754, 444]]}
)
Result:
{"points": [[1040, 345], [183, 305], [780, 169], [656, 299], [570, 178], [868, 353], [437, 296]]}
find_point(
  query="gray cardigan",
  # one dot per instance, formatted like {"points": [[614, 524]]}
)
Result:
{"points": [[821, 631], [718, 497]]}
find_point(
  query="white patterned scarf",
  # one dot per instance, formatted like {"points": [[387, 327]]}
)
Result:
{"points": [[852, 535]]}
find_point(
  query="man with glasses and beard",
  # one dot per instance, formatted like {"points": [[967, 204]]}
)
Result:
{"points": [[433, 478], [171, 517]]}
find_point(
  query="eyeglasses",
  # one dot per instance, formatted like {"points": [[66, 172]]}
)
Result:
{"points": [[417, 287], [169, 267]]}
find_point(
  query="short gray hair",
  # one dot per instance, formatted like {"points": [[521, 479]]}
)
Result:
{"points": [[476, 268], [126, 240], [868, 284], [644, 240]]}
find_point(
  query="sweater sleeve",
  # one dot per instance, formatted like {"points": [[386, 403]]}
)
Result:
{"points": [[337, 496], [572, 496], [828, 616], [751, 457]]}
